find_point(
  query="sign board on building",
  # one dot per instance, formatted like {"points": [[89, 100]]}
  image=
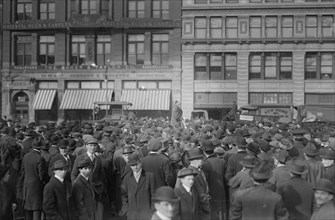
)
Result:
{"points": [[284, 113]]}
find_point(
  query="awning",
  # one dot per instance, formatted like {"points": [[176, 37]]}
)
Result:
{"points": [[147, 99], [43, 99], [84, 98]]}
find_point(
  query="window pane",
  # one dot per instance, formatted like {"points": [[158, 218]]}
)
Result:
{"points": [[215, 60], [200, 59], [43, 7], [200, 22]]}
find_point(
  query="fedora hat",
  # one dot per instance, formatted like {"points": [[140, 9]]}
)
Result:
{"points": [[207, 145], [154, 144], [249, 161], [186, 172], [261, 172], [241, 142], [127, 149], [311, 149], [133, 159], [254, 147], [281, 155], [84, 163], [194, 154], [63, 144], [297, 166], [60, 165], [165, 193], [37, 143], [327, 153], [325, 185]]}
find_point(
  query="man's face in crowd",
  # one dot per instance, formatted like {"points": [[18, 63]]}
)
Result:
{"points": [[327, 162], [64, 151], [85, 171], [126, 157], [91, 148], [322, 197], [166, 208], [137, 167], [197, 163], [61, 173], [187, 180]]}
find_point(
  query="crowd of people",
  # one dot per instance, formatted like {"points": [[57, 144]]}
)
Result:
{"points": [[143, 168]]}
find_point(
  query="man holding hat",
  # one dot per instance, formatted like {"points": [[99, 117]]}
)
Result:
{"points": [[258, 202], [324, 198], [165, 203], [57, 193], [297, 194], [190, 201], [83, 192], [138, 187], [34, 171]]}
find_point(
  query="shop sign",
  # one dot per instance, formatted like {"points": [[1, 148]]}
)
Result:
{"points": [[90, 67], [282, 112]]}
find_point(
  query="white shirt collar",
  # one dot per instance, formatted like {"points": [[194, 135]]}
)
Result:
{"points": [[161, 216], [188, 189], [86, 178], [89, 154], [59, 178]]}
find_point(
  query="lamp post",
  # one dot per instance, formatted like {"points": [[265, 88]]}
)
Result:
{"points": [[106, 80]]}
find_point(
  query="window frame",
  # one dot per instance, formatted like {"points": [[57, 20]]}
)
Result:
{"points": [[255, 31], [104, 40], [26, 15], [310, 26], [200, 31], [50, 41], [286, 27], [161, 56], [161, 12], [89, 10], [136, 13], [269, 26], [79, 42], [317, 74], [136, 44], [231, 27], [26, 56], [49, 15], [215, 28], [265, 99]]}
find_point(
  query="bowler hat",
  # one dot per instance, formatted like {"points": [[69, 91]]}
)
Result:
{"points": [[165, 193], [241, 142], [297, 166], [327, 153], [186, 172], [175, 157], [85, 163], [154, 144], [311, 149], [207, 145], [249, 161], [285, 144], [254, 147], [325, 185], [127, 149], [63, 144], [133, 159], [261, 172], [267, 136], [37, 143], [194, 153], [60, 165]]}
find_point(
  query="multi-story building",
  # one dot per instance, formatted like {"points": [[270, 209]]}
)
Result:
{"points": [[59, 56], [268, 53]]}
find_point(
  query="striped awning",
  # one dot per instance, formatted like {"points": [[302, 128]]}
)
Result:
{"points": [[147, 99], [43, 99], [84, 98]]}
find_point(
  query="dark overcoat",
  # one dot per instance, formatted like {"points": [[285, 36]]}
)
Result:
{"points": [[298, 196], [136, 197], [233, 164], [258, 202], [58, 156], [327, 172], [7, 198], [190, 205], [35, 175], [312, 170], [214, 169], [279, 176], [83, 199], [57, 204], [27, 145], [159, 166], [325, 212]]}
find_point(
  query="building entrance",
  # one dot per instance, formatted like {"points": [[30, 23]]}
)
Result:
{"points": [[20, 107]]}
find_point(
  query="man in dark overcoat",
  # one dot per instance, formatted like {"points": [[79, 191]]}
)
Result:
{"points": [[57, 204], [214, 169], [35, 175], [63, 156], [83, 192], [258, 202], [297, 193], [137, 190], [29, 135], [97, 176]]}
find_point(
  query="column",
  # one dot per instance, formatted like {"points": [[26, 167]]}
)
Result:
{"points": [[187, 83], [34, 49], [147, 48], [298, 77], [243, 78], [60, 94], [117, 89], [60, 44]]}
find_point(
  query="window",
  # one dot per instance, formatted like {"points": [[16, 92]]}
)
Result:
{"points": [[255, 27], [200, 1], [89, 84], [160, 9], [47, 85], [23, 51], [271, 27], [147, 84], [78, 52], [103, 49], [88, 7], [255, 1], [129, 84], [46, 50], [270, 98], [232, 1], [200, 28], [216, 27], [214, 99], [319, 65], [215, 1], [160, 49], [231, 27], [215, 66], [311, 26], [47, 10], [270, 65], [327, 26], [287, 26], [320, 99], [136, 8], [24, 10], [136, 49]]}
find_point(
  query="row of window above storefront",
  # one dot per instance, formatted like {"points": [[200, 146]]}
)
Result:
{"points": [[267, 27], [46, 10], [97, 49], [198, 2], [263, 66]]}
